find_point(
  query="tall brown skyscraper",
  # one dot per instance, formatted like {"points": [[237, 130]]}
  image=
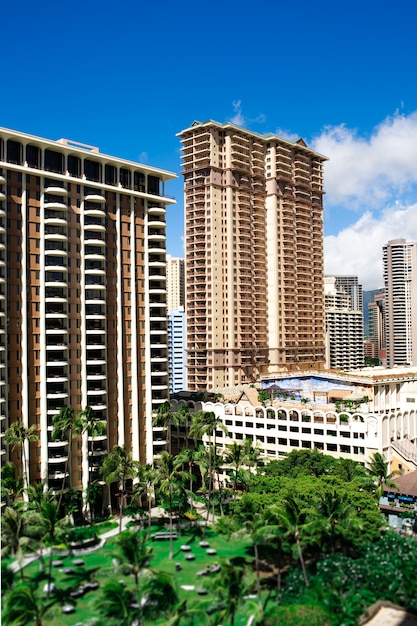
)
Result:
{"points": [[83, 300], [254, 255]]}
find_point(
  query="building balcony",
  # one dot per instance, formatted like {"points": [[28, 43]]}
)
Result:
{"points": [[153, 235], [94, 213], [56, 190], [97, 453], [92, 240], [56, 444], [156, 210], [56, 458], [57, 395], [95, 359], [57, 475], [54, 236], [94, 253], [55, 206], [155, 249], [96, 405], [95, 197]]}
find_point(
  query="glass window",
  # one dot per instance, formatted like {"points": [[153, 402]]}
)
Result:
{"points": [[54, 161], [14, 152], [92, 170], [74, 167], [110, 175], [33, 156]]}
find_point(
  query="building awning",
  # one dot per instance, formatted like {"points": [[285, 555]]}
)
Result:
{"points": [[405, 499]]}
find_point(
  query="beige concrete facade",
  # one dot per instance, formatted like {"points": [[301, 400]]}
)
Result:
{"points": [[175, 283], [254, 255], [83, 301]]}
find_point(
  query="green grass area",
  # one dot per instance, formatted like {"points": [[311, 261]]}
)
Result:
{"points": [[103, 559]]}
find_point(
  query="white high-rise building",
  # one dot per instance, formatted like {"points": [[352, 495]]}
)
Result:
{"points": [[400, 277], [344, 322], [177, 355]]}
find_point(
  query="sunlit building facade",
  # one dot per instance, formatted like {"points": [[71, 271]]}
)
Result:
{"points": [[83, 300], [400, 277], [254, 255]]}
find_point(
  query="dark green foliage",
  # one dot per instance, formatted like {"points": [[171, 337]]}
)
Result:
{"points": [[81, 533], [296, 615], [345, 587], [302, 463]]}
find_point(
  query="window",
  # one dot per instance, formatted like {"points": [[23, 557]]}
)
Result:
{"points": [[92, 170], [125, 178], [110, 175], [33, 156], [14, 152], [139, 181], [153, 185], [74, 167], [54, 161]]}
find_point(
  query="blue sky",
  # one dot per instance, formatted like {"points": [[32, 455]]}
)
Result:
{"points": [[128, 76]]}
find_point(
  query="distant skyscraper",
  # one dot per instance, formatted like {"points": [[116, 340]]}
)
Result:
{"points": [[254, 255], [176, 343], [344, 322], [400, 276], [175, 283], [83, 301], [376, 326], [176, 324]]}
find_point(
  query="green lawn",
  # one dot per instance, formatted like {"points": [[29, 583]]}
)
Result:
{"points": [[103, 559]]}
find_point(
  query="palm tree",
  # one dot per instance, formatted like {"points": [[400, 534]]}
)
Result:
{"points": [[52, 528], [18, 436], [117, 604], [22, 605], [159, 596], [292, 515], [149, 477], [235, 456], [205, 423], [11, 486], [252, 524], [252, 457], [119, 466], [170, 481], [230, 587], [121, 606], [13, 532], [351, 472], [94, 428], [132, 549], [66, 425], [167, 417], [336, 515], [188, 457], [378, 470]]}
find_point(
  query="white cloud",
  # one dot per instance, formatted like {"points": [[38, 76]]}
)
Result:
{"points": [[238, 118], [241, 120], [375, 176], [369, 171], [357, 249], [143, 157], [286, 134]]}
